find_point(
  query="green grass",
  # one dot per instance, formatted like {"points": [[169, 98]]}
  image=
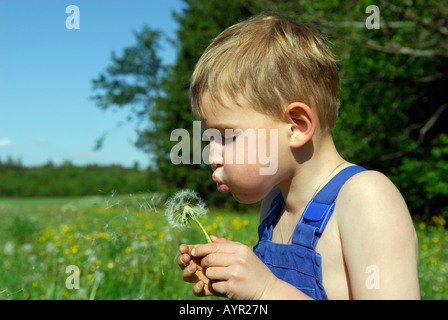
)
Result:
{"points": [[124, 248]]}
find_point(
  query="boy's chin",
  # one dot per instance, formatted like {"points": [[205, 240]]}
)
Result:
{"points": [[246, 198]]}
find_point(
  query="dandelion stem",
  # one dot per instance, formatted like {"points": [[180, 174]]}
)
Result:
{"points": [[190, 211]]}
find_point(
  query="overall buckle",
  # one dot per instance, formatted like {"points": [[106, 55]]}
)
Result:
{"points": [[316, 211]]}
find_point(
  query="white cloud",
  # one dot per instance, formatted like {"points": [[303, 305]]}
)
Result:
{"points": [[5, 142]]}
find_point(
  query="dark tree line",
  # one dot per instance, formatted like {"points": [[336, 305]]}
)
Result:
{"points": [[69, 180]]}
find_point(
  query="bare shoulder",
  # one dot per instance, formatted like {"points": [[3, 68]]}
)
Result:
{"points": [[371, 195], [267, 201], [371, 189]]}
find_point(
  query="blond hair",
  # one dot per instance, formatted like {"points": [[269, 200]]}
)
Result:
{"points": [[268, 62]]}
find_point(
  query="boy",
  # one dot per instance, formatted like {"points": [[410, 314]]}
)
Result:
{"points": [[355, 240]]}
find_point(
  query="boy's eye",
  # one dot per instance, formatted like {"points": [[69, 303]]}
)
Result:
{"points": [[224, 139], [231, 138]]}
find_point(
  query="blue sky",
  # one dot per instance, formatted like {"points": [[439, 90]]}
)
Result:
{"points": [[46, 73]]}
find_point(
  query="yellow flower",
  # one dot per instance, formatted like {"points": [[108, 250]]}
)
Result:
{"points": [[128, 249], [433, 261], [64, 229], [110, 265], [439, 220], [34, 284]]}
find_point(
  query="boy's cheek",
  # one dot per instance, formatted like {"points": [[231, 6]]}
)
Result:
{"points": [[247, 180]]}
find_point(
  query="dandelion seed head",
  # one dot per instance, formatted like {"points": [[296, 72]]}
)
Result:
{"points": [[176, 213]]}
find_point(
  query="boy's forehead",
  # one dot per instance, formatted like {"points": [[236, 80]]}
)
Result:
{"points": [[214, 113], [218, 119]]}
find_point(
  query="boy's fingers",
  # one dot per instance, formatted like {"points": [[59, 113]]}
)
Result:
{"points": [[205, 249], [216, 239], [186, 248], [217, 260], [183, 248], [198, 289], [183, 260], [189, 273]]}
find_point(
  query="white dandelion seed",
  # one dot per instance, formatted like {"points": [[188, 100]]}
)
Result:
{"points": [[183, 207]]}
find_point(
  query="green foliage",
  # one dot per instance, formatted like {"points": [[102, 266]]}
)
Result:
{"points": [[426, 182], [70, 180]]}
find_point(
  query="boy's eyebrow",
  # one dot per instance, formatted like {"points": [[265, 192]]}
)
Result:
{"points": [[220, 126]]}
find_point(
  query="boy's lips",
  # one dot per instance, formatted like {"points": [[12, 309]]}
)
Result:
{"points": [[222, 187]]}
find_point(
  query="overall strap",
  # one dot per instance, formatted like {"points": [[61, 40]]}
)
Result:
{"points": [[320, 208]]}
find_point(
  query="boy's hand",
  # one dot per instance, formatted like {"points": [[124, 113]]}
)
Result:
{"points": [[230, 269], [193, 271]]}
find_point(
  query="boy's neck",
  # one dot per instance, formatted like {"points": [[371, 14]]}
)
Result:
{"points": [[315, 166]]}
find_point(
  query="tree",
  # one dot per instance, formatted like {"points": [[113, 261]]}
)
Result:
{"points": [[393, 81], [159, 94]]}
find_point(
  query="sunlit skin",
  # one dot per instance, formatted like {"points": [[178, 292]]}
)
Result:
{"points": [[370, 226]]}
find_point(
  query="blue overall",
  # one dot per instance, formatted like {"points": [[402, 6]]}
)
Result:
{"points": [[298, 263]]}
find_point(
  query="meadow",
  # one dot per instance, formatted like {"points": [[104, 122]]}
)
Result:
{"points": [[123, 248]]}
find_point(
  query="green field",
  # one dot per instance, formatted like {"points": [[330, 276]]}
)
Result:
{"points": [[124, 249]]}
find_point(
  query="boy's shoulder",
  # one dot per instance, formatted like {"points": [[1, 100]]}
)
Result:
{"points": [[369, 185], [369, 192], [370, 196]]}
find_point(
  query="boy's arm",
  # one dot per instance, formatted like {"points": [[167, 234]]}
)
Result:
{"points": [[378, 239]]}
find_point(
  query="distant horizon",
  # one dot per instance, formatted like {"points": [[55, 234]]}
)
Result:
{"points": [[18, 162]]}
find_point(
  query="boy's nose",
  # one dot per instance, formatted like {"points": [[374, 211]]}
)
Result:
{"points": [[215, 157]]}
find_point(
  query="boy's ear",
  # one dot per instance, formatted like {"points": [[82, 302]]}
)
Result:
{"points": [[302, 123]]}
